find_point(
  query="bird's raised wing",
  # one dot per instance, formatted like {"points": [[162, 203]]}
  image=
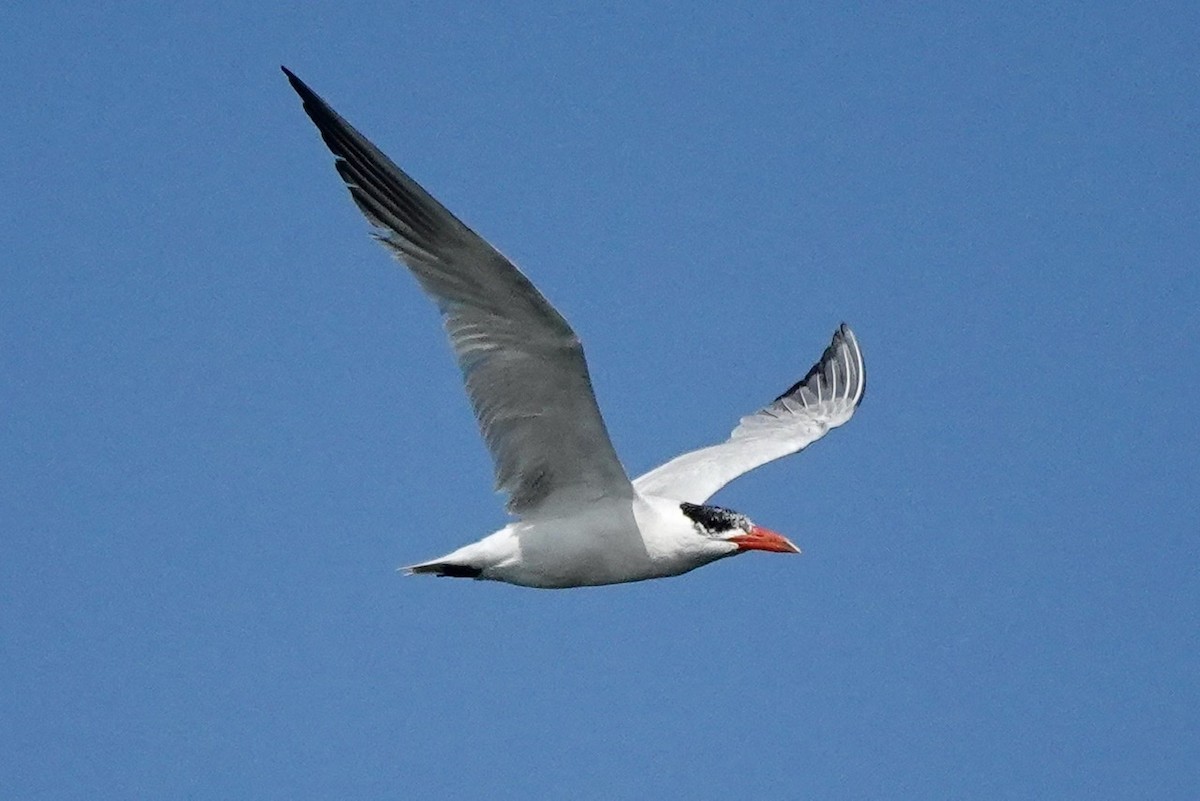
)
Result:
{"points": [[523, 366], [825, 398]]}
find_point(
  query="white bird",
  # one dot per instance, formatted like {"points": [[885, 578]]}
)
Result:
{"points": [[580, 520]]}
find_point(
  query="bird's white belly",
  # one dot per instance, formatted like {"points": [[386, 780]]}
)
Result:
{"points": [[606, 546], [552, 557]]}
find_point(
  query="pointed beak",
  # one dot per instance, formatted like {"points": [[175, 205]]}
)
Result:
{"points": [[763, 539]]}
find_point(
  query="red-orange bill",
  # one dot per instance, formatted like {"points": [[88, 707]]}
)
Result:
{"points": [[763, 539]]}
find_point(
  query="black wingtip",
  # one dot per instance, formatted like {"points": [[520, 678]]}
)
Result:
{"points": [[844, 330], [840, 336], [317, 110], [300, 86]]}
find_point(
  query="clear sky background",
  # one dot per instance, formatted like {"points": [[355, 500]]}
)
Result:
{"points": [[226, 416]]}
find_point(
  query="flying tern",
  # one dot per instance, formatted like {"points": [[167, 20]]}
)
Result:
{"points": [[579, 521]]}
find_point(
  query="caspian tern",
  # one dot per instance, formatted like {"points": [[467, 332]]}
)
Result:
{"points": [[580, 520]]}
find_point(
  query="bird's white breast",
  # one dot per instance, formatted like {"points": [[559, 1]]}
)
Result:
{"points": [[607, 543]]}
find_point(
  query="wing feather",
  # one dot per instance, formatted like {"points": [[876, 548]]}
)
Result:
{"points": [[523, 366], [824, 399]]}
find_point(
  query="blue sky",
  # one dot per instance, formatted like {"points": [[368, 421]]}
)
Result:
{"points": [[228, 416]]}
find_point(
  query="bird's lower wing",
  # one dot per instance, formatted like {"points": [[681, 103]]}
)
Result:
{"points": [[824, 399]]}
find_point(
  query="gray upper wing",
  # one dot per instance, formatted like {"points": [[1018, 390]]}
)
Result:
{"points": [[523, 366], [825, 398]]}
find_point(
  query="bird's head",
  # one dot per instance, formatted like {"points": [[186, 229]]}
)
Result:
{"points": [[727, 526]]}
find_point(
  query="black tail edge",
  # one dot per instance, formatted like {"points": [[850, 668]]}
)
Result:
{"points": [[446, 569]]}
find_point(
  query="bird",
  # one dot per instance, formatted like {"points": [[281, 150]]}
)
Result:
{"points": [[578, 519]]}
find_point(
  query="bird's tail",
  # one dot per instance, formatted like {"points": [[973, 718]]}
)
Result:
{"points": [[440, 568]]}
